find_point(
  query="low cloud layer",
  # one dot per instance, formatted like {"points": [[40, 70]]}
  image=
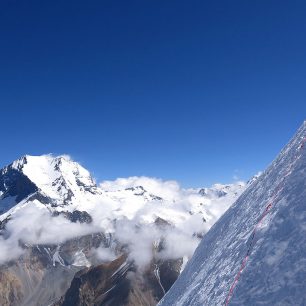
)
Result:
{"points": [[168, 190], [33, 224], [129, 217]]}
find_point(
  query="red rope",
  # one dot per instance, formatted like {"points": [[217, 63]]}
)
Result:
{"points": [[267, 209], [244, 262]]}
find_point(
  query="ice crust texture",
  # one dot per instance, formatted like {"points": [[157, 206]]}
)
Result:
{"points": [[275, 273]]}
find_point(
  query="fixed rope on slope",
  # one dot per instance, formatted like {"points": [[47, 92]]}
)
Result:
{"points": [[266, 211]]}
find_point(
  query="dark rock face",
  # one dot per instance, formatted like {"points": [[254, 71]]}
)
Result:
{"points": [[9, 297], [44, 272], [14, 183], [162, 223], [118, 283], [156, 198], [218, 193], [135, 188], [95, 286], [41, 198], [221, 193], [203, 192], [75, 216], [46, 275], [3, 223], [91, 188], [140, 191], [169, 272]]}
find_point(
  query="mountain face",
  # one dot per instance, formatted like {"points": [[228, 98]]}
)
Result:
{"points": [[64, 239], [255, 253], [58, 179]]}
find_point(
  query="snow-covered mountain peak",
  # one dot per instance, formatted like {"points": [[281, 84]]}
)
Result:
{"points": [[56, 177], [253, 179], [45, 168], [47, 200], [221, 190]]}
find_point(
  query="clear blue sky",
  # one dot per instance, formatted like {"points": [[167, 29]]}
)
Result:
{"points": [[197, 91]]}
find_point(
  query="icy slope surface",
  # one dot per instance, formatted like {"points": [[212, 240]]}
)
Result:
{"points": [[256, 253]]}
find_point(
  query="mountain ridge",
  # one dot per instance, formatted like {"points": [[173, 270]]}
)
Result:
{"points": [[64, 223], [254, 253]]}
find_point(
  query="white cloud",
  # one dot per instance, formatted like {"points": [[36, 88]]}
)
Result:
{"points": [[105, 254], [184, 210], [178, 245], [166, 189], [33, 224]]}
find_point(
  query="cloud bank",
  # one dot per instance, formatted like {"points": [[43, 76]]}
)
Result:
{"points": [[129, 217]]}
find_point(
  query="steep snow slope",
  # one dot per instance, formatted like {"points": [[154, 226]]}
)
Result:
{"points": [[256, 253]]}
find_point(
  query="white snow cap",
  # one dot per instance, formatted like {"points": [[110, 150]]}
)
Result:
{"points": [[55, 176]]}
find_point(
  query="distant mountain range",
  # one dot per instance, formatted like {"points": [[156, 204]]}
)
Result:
{"points": [[64, 240]]}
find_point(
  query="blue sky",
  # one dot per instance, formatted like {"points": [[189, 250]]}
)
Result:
{"points": [[197, 91]]}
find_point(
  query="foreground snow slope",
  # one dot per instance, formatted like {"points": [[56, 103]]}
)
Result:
{"points": [[256, 253]]}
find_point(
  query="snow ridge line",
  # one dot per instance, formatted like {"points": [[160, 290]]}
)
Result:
{"points": [[264, 214]]}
